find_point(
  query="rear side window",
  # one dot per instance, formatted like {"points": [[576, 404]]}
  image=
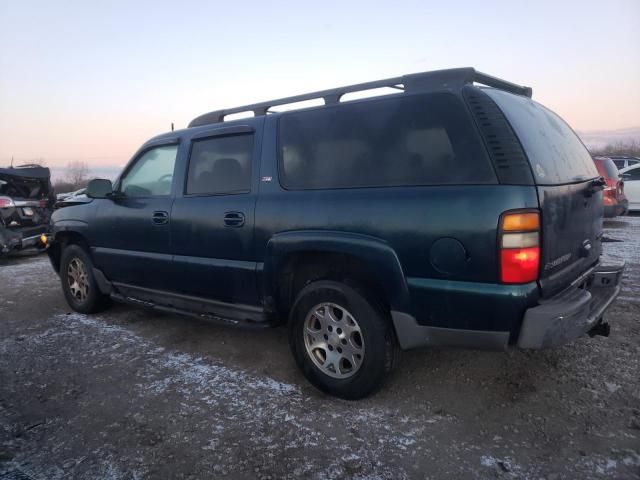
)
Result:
{"points": [[411, 140], [619, 163], [555, 152], [220, 165]]}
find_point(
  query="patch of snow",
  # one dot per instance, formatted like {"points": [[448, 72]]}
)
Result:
{"points": [[612, 387], [488, 461]]}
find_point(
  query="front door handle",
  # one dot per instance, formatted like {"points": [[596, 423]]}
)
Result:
{"points": [[234, 219], [160, 217]]}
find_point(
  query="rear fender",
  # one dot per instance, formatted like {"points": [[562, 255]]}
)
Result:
{"points": [[380, 259]]}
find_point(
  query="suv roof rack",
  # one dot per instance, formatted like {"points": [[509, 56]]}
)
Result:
{"points": [[454, 77]]}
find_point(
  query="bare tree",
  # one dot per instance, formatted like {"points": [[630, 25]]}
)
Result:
{"points": [[77, 173], [630, 148]]}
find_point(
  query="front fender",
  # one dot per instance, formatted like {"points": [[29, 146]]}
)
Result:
{"points": [[380, 259], [76, 226]]}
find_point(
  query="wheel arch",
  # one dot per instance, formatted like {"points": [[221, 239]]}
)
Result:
{"points": [[296, 258], [66, 234]]}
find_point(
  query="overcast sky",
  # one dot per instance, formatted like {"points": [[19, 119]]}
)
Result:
{"points": [[93, 80]]}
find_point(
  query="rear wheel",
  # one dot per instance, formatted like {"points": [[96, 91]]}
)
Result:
{"points": [[78, 282], [342, 342]]}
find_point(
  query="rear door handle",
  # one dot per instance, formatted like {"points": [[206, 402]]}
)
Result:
{"points": [[234, 219], [160, 217]]}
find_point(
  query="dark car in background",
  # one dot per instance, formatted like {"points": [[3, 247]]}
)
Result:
{"points": [[347, 222], [614, 200], [26, 200]]}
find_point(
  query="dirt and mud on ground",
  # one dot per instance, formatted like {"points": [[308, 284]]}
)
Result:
{"points": [[132, 394]]}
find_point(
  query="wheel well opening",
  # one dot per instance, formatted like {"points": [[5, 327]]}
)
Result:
{"points": [[300, 269], [64, 239]]}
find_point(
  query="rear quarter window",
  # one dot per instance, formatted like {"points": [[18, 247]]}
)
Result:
{"points": [[400, 141], [555, 153]]}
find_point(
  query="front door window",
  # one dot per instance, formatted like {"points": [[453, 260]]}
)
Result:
{"points": [[152, 174]]}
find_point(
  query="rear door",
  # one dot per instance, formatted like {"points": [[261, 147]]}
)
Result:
{"points": [[212, 219], [571, 205]]}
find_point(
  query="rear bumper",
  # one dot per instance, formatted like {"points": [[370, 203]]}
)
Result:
{"points": [[12, 239], [618, 209], [573, 312]]}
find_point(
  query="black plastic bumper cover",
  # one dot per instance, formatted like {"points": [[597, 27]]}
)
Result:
{"points": [[20, 238], [573, 312]]}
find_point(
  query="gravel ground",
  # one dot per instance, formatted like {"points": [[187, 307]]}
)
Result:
{"points": [[131, 394]]}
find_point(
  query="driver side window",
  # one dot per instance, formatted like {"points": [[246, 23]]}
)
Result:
{"points": [[152, 174]]}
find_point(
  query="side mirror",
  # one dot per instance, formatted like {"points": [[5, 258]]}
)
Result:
{"points": [[99, 188]]}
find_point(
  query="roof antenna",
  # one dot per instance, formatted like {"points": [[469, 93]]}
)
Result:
{"points": [[11, 161], [172, 126]]}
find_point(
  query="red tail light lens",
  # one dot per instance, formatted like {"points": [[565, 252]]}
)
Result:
{"points": [[519, 245], [519, 265], [6, 202]]}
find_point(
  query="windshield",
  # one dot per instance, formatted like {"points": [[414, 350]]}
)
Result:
{"points": [[555, 152]]}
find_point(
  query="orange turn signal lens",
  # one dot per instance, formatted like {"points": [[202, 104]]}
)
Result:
{"points": [[512, 222]]}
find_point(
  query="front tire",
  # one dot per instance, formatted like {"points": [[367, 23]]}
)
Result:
{"points": [[78, 282], [342, 342]]}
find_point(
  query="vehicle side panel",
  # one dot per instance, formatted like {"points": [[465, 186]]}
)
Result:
{"points": [[442, 233]]}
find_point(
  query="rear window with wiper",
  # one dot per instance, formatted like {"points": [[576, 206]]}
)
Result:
{"points": [[556, 154]]}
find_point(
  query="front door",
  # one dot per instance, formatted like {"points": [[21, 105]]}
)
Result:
{"points": [[212, 220], [132, 230]]}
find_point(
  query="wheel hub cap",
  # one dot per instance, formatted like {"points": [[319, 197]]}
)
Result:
{"points": [[78, 279], [333, 340]]}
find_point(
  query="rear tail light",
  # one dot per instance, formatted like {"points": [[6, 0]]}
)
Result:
{"points": [[610, 195], [6, 202], [519, 244]]}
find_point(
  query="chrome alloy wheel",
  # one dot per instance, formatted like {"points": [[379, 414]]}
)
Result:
{"points": [[333, 340], [78, 279]]}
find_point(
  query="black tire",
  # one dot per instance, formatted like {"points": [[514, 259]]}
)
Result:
{"points": [[380, 346], [92, 300]]}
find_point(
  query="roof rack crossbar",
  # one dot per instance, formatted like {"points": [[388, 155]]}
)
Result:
{"points": [[454, 77], [496, 82]]}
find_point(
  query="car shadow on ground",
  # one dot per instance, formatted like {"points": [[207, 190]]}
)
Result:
{"points": [[438, 372]]}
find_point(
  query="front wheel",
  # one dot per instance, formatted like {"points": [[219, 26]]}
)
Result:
{"points": [[78, 282], [342, 342]]}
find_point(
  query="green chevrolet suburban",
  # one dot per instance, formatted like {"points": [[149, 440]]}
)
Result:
{"points": [[454, 211]]}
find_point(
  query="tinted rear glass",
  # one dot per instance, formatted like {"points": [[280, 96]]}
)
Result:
{"points": [[619, 163], [220, 165], [555, 152], [405, 140]]}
